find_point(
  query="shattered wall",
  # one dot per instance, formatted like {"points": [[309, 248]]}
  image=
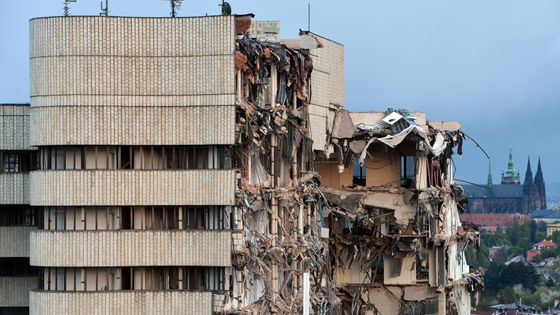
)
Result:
{"points": [[277, 234], [327, 85], [390, 242], [396, 240]]}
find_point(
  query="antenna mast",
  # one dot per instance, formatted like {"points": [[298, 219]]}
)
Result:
{"points": [[67, 7], [104, 10], [309, 17], [175, 6], [226, 8]]}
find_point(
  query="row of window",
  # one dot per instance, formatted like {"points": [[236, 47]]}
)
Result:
{"points": [[135, 218], [16, 267], [17, 161], [18, 215], [133, 278], [134, 157]]}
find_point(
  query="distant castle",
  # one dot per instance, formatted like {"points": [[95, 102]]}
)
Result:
{"points": [[510, 196]]}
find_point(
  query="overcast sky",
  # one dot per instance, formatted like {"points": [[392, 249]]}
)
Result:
{"points": [[493, 65]]}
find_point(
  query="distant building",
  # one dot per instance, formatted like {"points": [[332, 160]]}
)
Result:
{"points": [[536, 251], [532, 254], [544, 244], [551, 228], [509, 196], [489, 222], [514, 308], [546, 215]]}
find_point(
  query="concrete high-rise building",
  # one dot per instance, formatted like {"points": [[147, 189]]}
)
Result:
{"points": [[17, 218], [178, 168]]}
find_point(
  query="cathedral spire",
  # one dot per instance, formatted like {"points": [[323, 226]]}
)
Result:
{"points": [[489, 182], [511, 175], [510, 161], [539, 170], [528, 173], [540, 188]]}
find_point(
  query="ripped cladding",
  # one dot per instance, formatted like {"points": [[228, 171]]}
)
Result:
{"points": [[278, 196], [400, 239], [400, 234]]}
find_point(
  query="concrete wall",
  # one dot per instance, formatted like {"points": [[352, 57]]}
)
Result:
{"points": [[331, 177], [131, 187], [117, 80], [14, 291], [200, 125], [14, 188], [14, 127], [15, 241], [120, 303], [327, 85], [130, 248]]}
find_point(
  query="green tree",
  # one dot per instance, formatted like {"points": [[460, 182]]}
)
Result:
{"points": [[492, 279], [518, 273], [555, 237]]}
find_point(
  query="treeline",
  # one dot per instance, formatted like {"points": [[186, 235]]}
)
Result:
{"points": [[508, 284]]}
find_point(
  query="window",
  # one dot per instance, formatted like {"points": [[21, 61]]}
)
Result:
{"points": [[358, 172], [407, 170], [16, 267], [135, 157], [126, 218], [17, 215], [11, 163], [126, 278]]}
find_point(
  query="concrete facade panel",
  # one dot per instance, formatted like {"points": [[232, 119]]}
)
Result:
{"points": [[14, 188], [132, 36], [15, 241], [138, 76], [116, 248], [94, 125], [132, 187], [327, 86], [14, 291], [14, 127], [136, 81], [120, 303]]}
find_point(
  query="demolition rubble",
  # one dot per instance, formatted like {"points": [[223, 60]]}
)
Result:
{"points": [[369, 225]]}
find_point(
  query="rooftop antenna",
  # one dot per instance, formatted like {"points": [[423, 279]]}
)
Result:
{"points": [[226, 8], [175, 6], [104, 10], [67, 7], [309, 16]]}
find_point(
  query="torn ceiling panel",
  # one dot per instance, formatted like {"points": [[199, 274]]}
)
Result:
{"points": [[343, 127]]}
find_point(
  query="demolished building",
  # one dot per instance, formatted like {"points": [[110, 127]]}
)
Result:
{"points": [[396, 240], [186, 167]]}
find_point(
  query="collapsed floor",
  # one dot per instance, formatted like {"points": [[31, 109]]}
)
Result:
{"points": [[370, 225]]}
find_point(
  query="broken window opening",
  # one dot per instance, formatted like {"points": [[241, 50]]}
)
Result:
{"points": [[407, 170], [358, 172]]}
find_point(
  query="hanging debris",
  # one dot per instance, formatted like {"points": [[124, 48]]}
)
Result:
{"points": [[374, 221]]}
